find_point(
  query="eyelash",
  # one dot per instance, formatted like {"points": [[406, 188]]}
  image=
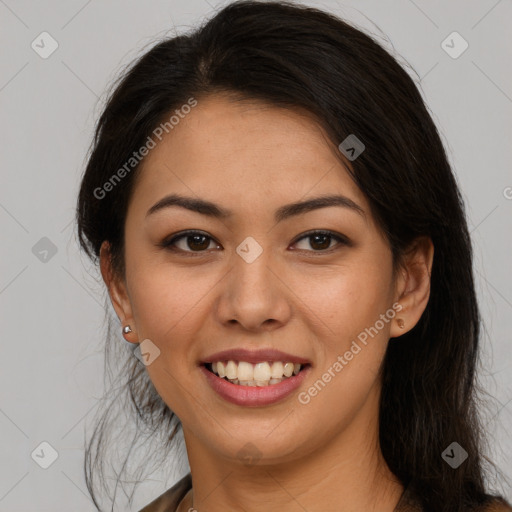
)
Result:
{"points": [[168, 244]]}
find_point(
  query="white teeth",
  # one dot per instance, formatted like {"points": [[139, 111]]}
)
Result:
{"points": [[260, 374], [277, 370], [245, 371], [288, 369], [262, 371], [231, 372]]}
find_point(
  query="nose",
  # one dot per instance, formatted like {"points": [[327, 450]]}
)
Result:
{"points": [[253, 296]]}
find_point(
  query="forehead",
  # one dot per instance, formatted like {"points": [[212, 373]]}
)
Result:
{"points": [[220, 126], [245, 152]]}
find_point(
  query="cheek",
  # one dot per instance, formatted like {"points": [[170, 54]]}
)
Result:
{"points": [[168, 310], [348, 298], [170, 303], [351, 344], [353, 306]]}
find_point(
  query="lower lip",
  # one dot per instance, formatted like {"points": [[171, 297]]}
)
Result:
{"points": [[254, 396]]}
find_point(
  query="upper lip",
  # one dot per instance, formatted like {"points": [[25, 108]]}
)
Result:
{"points": [[254, 356]]}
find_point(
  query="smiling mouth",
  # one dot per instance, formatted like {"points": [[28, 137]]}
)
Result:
{"points": [[261, 374]]}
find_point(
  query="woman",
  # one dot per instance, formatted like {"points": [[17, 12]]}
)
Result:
{"points": [[286, 249]]}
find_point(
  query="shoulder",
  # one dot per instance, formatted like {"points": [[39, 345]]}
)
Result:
{"points": [[497, 505], [410, 503], [170, 499]]}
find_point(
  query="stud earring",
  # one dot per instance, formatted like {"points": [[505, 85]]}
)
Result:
{"points": [[400, 323], [127, 329]]}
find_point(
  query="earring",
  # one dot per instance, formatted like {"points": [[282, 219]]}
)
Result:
{"points": [[127, 329], [400, 323]]}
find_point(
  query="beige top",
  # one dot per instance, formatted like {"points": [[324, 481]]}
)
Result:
{"points": [[170, 499]]}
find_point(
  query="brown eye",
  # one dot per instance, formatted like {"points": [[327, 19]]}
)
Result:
{"points": [[320, 241], [190, 241], [198, 242]]}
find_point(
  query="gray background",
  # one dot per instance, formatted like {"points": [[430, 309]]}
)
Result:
{"points": [[51, 304]]}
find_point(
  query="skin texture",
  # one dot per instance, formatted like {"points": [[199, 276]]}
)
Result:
{"points": [[297, 296]]}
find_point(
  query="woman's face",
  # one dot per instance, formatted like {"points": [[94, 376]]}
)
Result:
{"points": [[256, 281]]}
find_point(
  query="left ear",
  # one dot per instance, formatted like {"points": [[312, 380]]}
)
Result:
{"points": [[413, 285]]}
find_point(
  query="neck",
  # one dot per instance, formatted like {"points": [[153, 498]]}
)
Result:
{"points": [[347, 474]]}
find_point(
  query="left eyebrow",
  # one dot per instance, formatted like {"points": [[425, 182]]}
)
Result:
{"points": [[284, 212]]}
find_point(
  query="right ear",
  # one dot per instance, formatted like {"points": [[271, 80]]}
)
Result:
{"points": [[117, 291]]}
